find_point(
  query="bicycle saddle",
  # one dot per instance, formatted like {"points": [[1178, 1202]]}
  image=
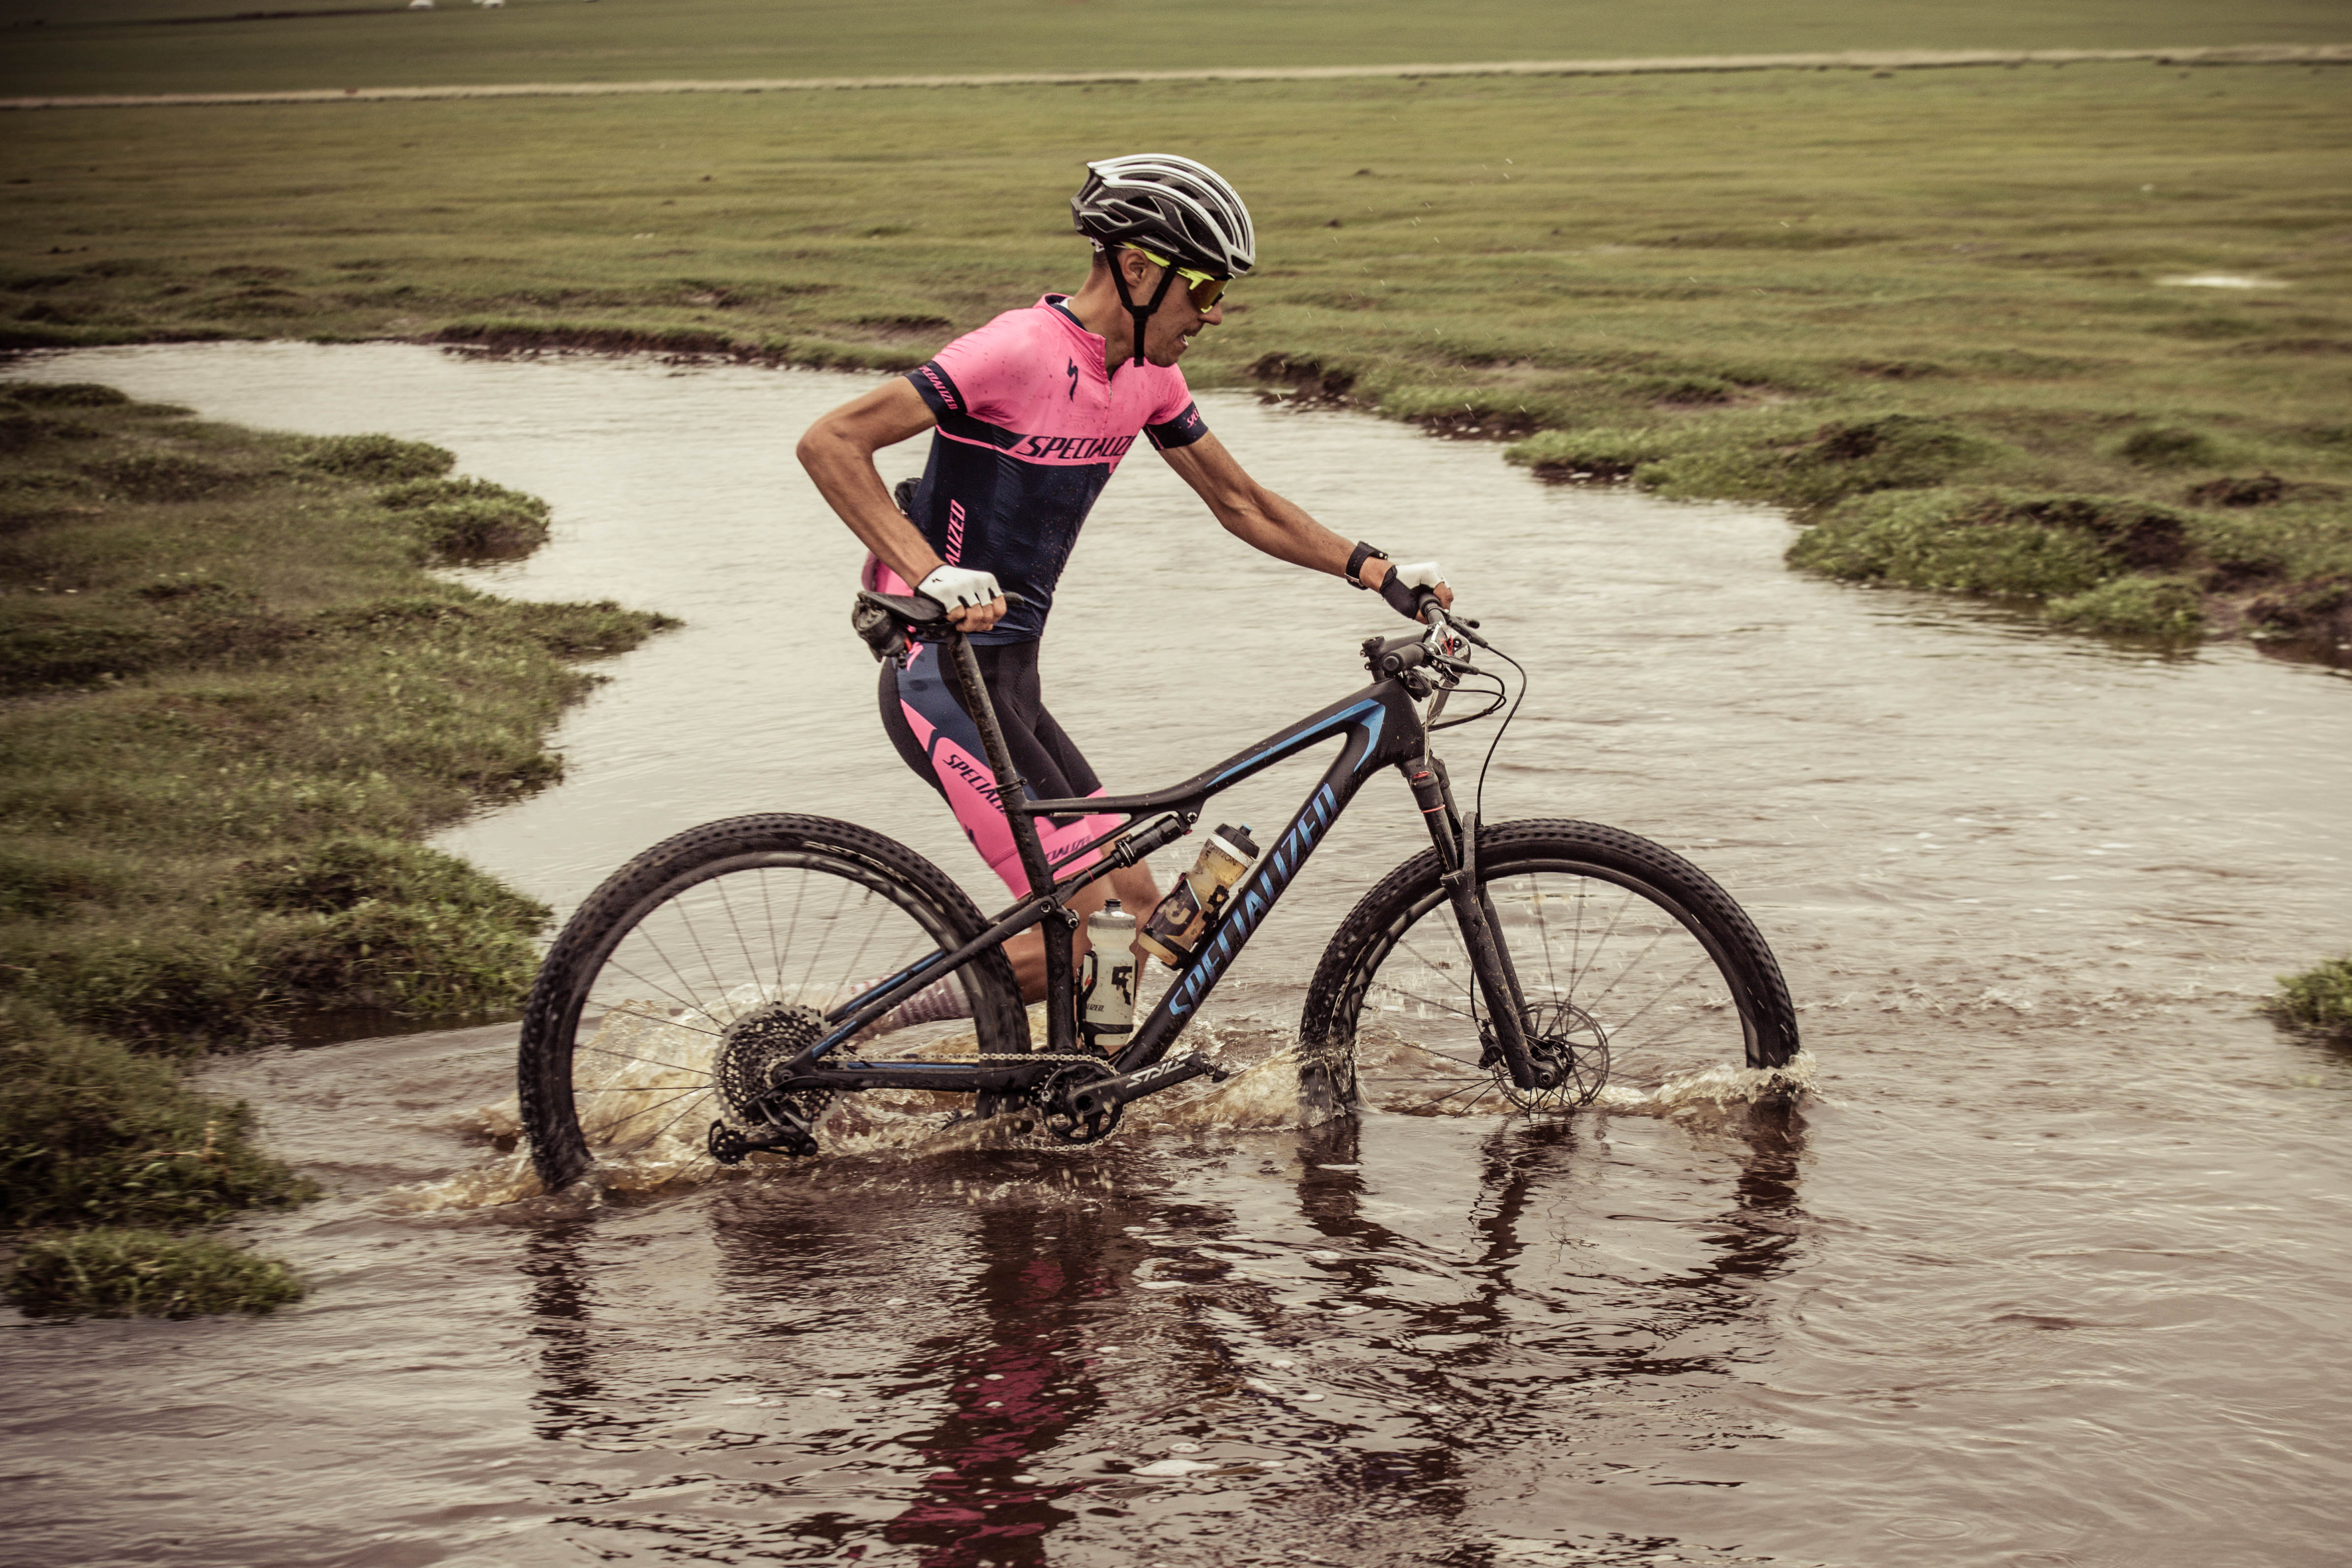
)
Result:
{"points": [[914, 609], [886, 620]]}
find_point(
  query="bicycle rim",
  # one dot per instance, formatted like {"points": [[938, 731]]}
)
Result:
{"points": [[1629, 991], [658, 1002]]}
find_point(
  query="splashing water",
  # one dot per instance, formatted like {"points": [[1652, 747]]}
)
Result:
{"points": [[656, 1059], [1710, 1091]]}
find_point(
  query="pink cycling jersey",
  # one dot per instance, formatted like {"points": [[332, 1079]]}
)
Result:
{"points": [[1030, 428]]}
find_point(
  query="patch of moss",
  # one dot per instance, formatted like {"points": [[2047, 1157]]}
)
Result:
{"points": [[61, 641], [479, 531], [423, 960], [110, 1273], [1967, 541], [382, 458], [2169, 447], [2321, 607], [161, 476], [1594, 454], [2258, 489], [64, 394], [2135, 605], [93, 1132], [444, 492], [21, 431], [2320, 998], [342, 873], [1842, 459]]}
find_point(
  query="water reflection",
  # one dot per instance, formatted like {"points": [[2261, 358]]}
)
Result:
{"points": [[1020, 1360], [2052, 1269]]}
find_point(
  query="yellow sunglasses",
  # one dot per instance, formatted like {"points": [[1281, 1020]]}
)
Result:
{"points": [[1204, 290]]}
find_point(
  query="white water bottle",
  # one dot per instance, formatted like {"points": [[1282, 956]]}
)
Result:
{"points": [[1106, 976]]}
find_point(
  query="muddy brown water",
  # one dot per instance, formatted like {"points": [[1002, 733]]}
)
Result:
{"points": [[2051, 1270]]}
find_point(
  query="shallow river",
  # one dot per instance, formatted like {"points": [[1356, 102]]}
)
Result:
{"points": [[2043, 1274]]}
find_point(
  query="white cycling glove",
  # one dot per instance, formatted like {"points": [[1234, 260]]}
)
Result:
{"points": [[960, 587]]}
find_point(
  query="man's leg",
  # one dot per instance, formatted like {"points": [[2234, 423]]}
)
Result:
{"points": [[1137, 893], [939, 742]]}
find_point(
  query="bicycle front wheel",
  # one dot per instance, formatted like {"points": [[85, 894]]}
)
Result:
{"points": [[1634, 969], [639, 1010]]}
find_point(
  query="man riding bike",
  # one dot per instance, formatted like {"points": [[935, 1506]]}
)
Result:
{"points": [[1030, 416]]}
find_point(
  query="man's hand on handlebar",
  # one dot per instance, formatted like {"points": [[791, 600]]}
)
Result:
{"points": [[974, 600], [1408, 589]]}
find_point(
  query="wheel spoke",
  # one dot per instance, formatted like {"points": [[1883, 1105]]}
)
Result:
{"points": [[656, 1135], [1438, 970], [692, 945], [652, 984], [1606, 938], [750, 964]]}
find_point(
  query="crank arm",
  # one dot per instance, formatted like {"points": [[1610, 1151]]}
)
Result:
{"points": [[1108, 1094]]}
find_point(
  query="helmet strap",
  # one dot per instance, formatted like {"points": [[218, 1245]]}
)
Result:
{"points": [[1141, 313]]}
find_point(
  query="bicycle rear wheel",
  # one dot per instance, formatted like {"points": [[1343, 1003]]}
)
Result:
{"points": [[1634, 967], [627, 1030]]}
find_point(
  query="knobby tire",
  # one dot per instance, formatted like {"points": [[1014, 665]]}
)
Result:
{"points": [[693, 932], [1638, 964]]}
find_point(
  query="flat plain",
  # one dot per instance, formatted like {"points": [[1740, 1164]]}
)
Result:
{"points": [[167, 45]]}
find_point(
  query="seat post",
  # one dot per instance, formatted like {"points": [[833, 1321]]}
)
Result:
{"points": [[1061, 1022]]}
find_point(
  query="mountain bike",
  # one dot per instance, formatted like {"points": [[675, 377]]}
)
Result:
{"points": [[719, 991]]}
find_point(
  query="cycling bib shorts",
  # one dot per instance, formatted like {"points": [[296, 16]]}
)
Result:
{"points": [[1031, 427], [939, 742]]}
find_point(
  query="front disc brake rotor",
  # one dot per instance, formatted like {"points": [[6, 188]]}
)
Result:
{"points": [[1564, 1041]]}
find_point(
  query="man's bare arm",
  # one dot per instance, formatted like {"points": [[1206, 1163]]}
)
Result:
{"points": [[838, 453], [1267, 521]]}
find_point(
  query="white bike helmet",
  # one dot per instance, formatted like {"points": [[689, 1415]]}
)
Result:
{"points": [[1171, 206]]}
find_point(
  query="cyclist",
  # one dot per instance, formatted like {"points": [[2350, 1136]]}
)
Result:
{"points": [[1029, 416]]}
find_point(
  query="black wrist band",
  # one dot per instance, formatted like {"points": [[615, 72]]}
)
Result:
{"points": [[1356, 559]]}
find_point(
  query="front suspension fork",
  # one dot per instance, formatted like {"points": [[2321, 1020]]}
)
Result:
{"points": [[1456, 839]]}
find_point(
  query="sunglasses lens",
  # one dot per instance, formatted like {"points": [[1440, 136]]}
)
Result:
{"points": [[1207, 292]]}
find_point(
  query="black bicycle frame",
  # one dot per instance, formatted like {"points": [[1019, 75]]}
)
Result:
{"points": [[1379, 727]]}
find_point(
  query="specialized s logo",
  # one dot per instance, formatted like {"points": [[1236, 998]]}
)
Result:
{"points": [[1074, 381]]}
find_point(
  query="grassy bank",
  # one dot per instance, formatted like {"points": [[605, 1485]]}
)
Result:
{"points": [[2319, 999], [231, 700], [1815, 288], [162, 45]]}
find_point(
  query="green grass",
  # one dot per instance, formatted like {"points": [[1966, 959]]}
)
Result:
{"points": [[1791, 286], [231, 700], [128, 46], [110, 1273], [2320, 998], [91, 1133], [240, 698]]}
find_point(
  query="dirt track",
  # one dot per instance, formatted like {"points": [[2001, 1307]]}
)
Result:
{"points": [[1857, 59]]}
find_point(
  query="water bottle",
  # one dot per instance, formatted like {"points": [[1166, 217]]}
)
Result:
{"points": [[1107, 977], [1175, 928]]}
